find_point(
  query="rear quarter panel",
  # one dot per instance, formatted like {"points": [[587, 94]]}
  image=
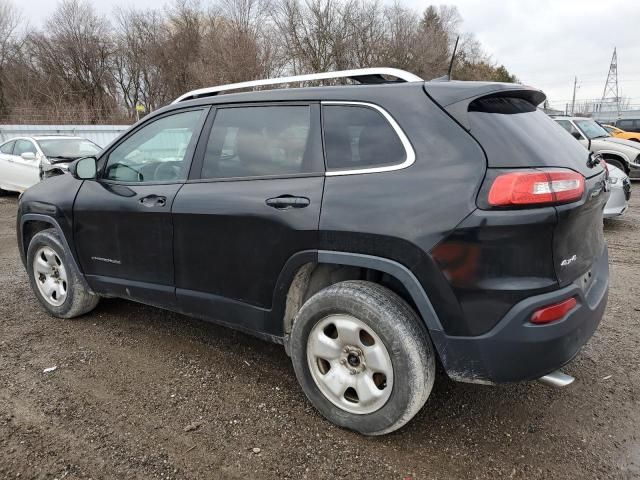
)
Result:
{"points": [[403, 214]]}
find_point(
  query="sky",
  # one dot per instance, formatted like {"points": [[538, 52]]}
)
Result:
{"points": [[545, 43]]}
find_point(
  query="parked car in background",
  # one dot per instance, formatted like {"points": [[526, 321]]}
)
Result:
{"points": [[24, 161], [628, 124], [620, 193], [618, 152], [618, 133]]}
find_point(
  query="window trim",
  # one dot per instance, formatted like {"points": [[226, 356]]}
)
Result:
{"points": [[408, 148], [189, 155]]}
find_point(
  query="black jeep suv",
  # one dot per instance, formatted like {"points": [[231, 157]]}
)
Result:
{"points": [[373, 229]]}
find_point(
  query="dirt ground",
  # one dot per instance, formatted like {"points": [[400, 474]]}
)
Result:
{"points": [[143, 393]]}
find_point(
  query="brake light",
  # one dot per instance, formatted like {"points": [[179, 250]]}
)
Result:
{"points": [[554, 312], [534, 187]]}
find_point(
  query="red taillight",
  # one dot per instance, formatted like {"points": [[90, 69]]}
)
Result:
{"points": [[554, 312], [535, 187]]}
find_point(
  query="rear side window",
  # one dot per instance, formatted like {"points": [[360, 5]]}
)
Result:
{"points": [[568, 126], [624, 124], [358, 137], [260, 141], [7, 148]]}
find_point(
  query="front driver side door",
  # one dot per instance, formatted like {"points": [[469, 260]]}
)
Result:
{"points": [[122, 222]]}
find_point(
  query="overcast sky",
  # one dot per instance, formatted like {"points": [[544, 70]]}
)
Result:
{"points": [[543, 42]]}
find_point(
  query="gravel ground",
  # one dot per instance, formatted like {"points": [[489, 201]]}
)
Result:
{"points": [[143, 393]]}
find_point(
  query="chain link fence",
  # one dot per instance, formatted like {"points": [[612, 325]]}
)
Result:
{"points": [[63, 116]]}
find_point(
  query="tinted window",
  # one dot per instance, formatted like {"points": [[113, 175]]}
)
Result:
{"points": [[359, 137], [68, 147], [24, 146], [157, 152], [7, 148], [520, 137], [624, 124], [257, 141]]}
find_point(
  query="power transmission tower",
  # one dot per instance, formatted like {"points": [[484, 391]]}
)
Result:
{"points": [[610, 93]]}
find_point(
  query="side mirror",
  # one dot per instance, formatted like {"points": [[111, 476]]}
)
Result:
{"points": [[84, 168], [576, 135], [28, 156]]}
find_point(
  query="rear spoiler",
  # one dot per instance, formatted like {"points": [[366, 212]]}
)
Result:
{"points": [[455, 96]]}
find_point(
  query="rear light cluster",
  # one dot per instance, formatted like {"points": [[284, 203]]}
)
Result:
{"points": [[536, 187]]}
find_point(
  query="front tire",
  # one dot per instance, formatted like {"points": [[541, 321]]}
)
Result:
{"points": [[616, 163], [362, 357], [55, 280]]}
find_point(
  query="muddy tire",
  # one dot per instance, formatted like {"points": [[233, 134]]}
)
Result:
{"points": [[54, 279], [362, 357]]}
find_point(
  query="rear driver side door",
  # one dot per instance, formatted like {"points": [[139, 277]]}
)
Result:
{"points": [[252, 201]]}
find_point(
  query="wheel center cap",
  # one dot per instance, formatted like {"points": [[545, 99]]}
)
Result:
{"points": [[353, 360]]}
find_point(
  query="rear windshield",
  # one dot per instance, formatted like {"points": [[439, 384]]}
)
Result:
{"points": [[515, 134], [68, 147]]}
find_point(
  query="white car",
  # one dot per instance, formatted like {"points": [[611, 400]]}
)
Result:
{"points": [[24, 161], [620, 193]]}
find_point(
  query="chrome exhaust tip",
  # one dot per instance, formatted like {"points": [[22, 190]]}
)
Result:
{"points": [[557, 379]]}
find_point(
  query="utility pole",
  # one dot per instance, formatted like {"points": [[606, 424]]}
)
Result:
{"points": [[573, 102]]}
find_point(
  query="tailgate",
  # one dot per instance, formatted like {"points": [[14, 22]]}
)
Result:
{"points": [[578, 238]]}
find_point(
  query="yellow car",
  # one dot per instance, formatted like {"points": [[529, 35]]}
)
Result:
{"points": [[616, 132]]}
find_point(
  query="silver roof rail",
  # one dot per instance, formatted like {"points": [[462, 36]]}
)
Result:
{"points": [[362, 75]]}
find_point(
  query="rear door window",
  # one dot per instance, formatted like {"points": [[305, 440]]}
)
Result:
{"points": [[359, 137], [256, 141]]}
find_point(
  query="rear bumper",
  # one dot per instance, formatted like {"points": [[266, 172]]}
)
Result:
{"points": [[618, 200], [517, 350]]}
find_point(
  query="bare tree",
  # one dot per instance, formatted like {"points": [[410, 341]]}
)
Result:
{"points": [[10, 43], [139, 36], [76, 53], [81, 67]]}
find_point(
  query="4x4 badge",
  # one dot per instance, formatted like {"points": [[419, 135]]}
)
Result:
{"points": [[568, 261]]}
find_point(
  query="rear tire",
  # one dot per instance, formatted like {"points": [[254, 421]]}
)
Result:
{"points": [[363, 357], [55, 280]]}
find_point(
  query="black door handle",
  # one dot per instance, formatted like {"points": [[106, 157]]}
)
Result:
{"points": [[153, 201], [284, 202]]}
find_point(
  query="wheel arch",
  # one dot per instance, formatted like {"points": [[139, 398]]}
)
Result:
{"points": [[614, 155], [33, 223], [308, 272]]}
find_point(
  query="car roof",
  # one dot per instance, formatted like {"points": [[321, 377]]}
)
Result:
{"points": [[57, 137], [564, 117], [442, 92]]}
